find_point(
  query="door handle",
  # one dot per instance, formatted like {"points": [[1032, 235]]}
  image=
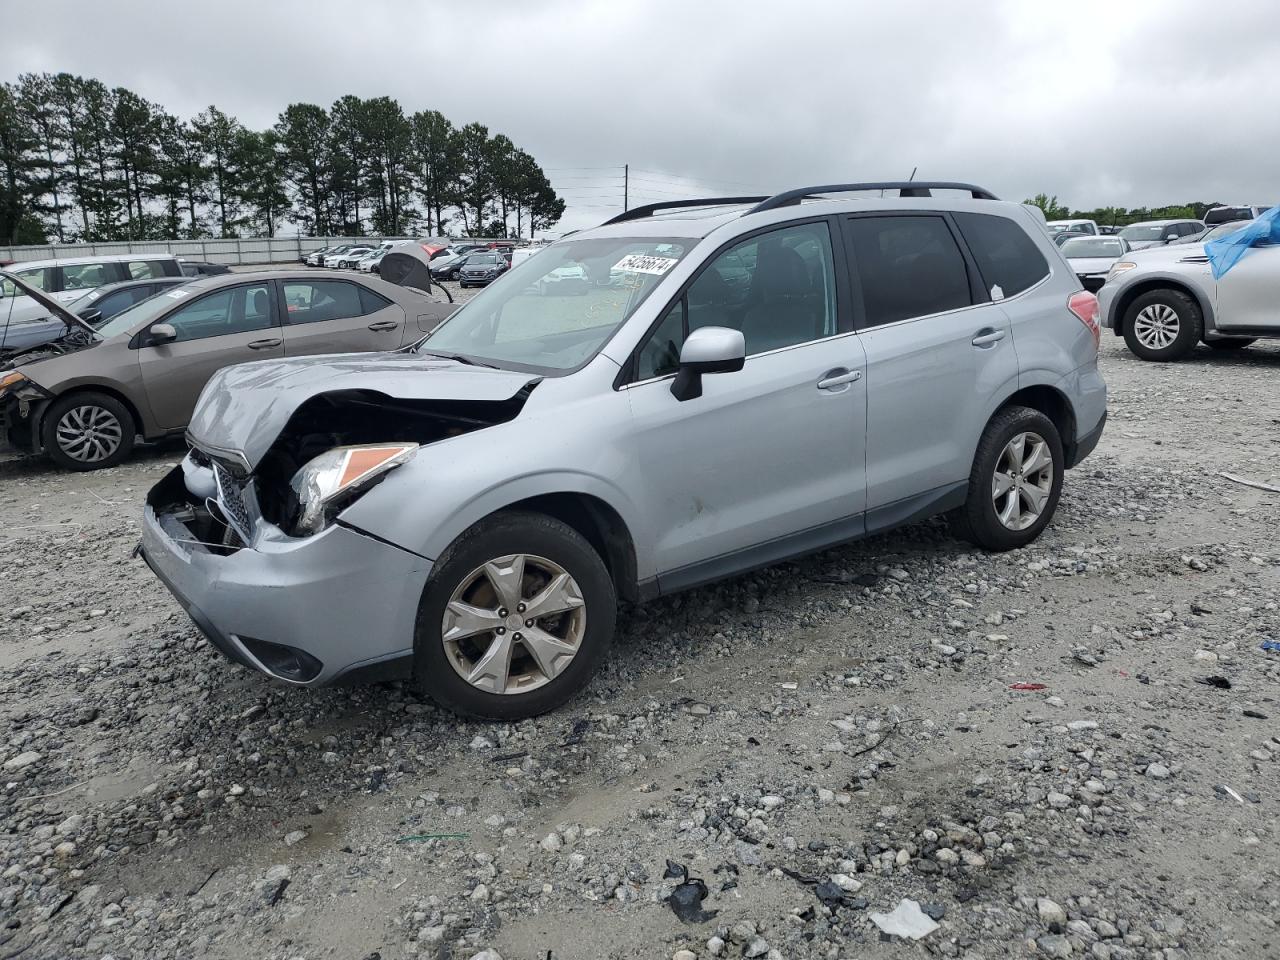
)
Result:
{"points": [[382, 325], [987, 336], [264, 344], [838, 378]]}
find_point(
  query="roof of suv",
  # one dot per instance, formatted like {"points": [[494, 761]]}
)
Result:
{"points": [[77, 261]]}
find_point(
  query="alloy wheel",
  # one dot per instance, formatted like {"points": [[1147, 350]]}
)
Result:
{"points": [[1156, 326], [514, 624], [1023, 481], [89, 434]]}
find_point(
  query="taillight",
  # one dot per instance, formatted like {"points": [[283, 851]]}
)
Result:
{"points": [[1085, 306]]}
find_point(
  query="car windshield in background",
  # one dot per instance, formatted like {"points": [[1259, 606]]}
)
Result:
{"points": [[555, 310], [1092, 247], [1148, 232], [488, 258], [1223, 229], [142, 312]]}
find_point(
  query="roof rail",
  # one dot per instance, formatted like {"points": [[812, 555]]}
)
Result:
{"points": [[905, 188], [649, 209]]}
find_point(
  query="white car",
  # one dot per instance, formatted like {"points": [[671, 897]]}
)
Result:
{"points": [[1154, 233], [1079, 226], [348, 258], [1091, 258]]}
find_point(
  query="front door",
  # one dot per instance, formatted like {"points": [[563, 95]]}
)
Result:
{"points": [[769, 460], [1249, 292], [227, 326], [338, 316], [937, 351]]}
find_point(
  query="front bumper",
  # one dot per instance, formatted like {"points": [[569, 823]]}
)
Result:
{"points": [[342, 598]]}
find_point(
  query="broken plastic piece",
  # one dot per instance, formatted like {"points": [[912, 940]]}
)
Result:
{"points": [[686, 902], [906, 920], [1028, 686], [1271, 646], [1218, 683]]}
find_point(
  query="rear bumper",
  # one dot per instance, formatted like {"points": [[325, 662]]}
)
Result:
{"points": [[1088, 395], [345, 600]]}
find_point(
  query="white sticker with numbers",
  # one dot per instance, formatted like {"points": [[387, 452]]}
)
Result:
{"points": [[177, 294], [639, 263]]}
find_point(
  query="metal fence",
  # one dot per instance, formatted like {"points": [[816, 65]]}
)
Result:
{"points": [[273, 250]]}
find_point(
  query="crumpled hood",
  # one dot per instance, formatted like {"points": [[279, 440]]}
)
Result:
{"points": [[243, 408]]}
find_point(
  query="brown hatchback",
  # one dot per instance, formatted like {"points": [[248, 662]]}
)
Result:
{"points": [[85, 398]]}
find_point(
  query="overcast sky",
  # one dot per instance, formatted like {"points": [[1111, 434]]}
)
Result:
{"points": [[1102, 103]]}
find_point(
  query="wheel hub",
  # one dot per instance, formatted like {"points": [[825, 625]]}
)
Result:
{"points": [[514, 624], [1022, 481]]}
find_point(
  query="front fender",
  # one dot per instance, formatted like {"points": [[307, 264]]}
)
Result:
{"points": [[424, 507]]}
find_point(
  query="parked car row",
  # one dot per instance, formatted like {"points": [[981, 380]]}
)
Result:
{"points": [[130, 359]]}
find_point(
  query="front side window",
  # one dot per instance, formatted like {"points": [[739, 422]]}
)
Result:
{"points": [[907, 266], [315, 301], [554, 311], [235, 310], [85, 276], [145, 269]]}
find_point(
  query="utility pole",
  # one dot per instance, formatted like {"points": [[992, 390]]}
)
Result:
{"points": [[626, 183]]}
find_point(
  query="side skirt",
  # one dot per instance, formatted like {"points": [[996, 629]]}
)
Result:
{"points": [[887, 517]]}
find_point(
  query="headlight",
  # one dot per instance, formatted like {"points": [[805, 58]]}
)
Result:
{"points": [[1119, 267], [338, 476], [9, 381]]}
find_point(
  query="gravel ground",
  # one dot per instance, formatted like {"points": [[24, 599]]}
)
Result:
{"points": [[814, 742]]}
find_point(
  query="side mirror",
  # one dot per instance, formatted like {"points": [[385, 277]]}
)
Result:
{"points": [[92, 317], [162, 333], [707, 350], [1169, 238]]}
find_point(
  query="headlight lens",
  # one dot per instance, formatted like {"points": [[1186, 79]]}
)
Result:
{"points": [[11, 380], [1119, 267], [338, 476]]}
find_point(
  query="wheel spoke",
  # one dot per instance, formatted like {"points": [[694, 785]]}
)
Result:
{"points": [[506, 574], [559, 595], [1038, 460], [1035, 498], [493, 670], [1014, 452], [466, 620], [1009, 512], [551, 654], [1002, 484]]}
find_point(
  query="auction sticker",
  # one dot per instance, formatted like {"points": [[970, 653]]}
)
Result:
{"points": [[639, 263], [177, 294]]}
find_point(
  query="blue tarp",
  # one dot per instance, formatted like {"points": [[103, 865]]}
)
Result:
{"points": [[1225, 252]]}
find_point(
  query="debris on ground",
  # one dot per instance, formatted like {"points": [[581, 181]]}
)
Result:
{"points": [[906, 920]]}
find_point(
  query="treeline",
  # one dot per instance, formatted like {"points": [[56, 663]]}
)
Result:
{"points": [[82, 162], [1121, 216]]}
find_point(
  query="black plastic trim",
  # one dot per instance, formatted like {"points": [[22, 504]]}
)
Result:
{"points": [[1081, 447], [649, 209], [906, 188]]}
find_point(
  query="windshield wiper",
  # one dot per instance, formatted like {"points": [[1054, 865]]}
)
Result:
{"points": [[461, 359]]}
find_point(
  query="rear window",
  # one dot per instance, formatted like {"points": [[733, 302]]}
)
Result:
{"points": [[908, 266], [1224, 214], [1007, 258]]}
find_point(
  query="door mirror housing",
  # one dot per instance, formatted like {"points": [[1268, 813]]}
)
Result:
{"points": [[1170, 237], [162, 333], [707, 350], [92, 317]]}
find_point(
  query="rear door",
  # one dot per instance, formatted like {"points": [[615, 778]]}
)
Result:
{"points": [[937, 350], [229, 325], [1249, 292], [338, 316]]}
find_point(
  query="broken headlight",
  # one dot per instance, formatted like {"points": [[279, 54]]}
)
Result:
{"points": [[335, 478]]}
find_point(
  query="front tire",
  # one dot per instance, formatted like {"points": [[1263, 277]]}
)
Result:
{"points": [[1163, 325], [88, 431], [1015, 481], [518, 615]]}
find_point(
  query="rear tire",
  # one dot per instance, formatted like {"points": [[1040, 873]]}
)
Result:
{"points": [[464, 618], [88, 431], [1013, 492], [1234, 343], [1163, 325]]}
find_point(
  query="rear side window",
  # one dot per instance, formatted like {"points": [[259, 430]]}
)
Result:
{"points": [[315, 301], [907, 266], [145, 269], [371, 302], [1007, 258], [86, 276]]}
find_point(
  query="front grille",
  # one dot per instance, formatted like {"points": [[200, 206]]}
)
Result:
{"points": [[231, 500]]}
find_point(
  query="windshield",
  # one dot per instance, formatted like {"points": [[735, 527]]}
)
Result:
{"points": [[1146, 231], [1092, 247], [554, 311], [481, 259], [142, 312]]}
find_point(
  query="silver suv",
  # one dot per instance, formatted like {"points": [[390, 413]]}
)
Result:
{"points": [[731, 383]]}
